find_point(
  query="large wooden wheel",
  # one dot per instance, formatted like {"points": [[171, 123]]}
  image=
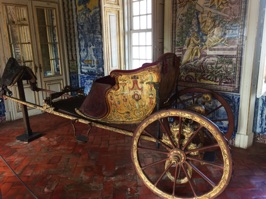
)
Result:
{"points": [[215, 107], [190, 159]]}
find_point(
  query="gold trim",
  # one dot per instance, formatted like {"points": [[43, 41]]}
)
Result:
{"points": [[49, 109]]}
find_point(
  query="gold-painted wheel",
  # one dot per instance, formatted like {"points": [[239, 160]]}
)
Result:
{"points": [[189, 158]]}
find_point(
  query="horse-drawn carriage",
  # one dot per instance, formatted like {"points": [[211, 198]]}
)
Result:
{"points": [[177, 150]]}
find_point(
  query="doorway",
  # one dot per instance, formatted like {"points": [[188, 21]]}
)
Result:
{"points": [[32, 34]]}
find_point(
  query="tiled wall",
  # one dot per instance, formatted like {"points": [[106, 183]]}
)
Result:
{"points": [[74, 79], [234, 102], [259, 126], [90, 42], [209, 44], [86, 82], [2, 108]]}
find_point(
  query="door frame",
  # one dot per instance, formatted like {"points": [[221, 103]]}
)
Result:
{"points": [[13, 111], [62, 79]]}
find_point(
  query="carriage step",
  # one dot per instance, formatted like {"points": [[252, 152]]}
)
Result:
{"points": [[81, 138]]}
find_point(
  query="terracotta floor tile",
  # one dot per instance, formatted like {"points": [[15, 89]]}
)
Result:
{"points": [[56, 166]]}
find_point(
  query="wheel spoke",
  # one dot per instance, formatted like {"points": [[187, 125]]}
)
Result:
{"points": [[194, 96], [219, 120], [154, 163], [153, 150], [218, 107], [210, 137], [165, 127], [202, 174], [205, 162], [163, 144], [180, 130], [189, 181], [179, 171], [191, 98], [176, 168], [203, 148], [191, 137], [181, 101], [164, 172]]}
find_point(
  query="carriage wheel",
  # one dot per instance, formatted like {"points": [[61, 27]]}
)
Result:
{"points": [[190, 159], [216, 108]]}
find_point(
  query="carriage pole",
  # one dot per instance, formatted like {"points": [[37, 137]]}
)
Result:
{"points": [[48, 109]]}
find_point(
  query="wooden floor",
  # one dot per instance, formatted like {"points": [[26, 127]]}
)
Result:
{"points": [[57, 166]]}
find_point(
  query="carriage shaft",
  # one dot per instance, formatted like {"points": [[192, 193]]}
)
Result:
{"points": [[49, 109]]}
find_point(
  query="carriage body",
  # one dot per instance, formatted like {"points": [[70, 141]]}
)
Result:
{"points": [[175, 152], [129, 96]]}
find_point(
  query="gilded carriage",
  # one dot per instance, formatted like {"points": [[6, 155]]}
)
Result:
{"points": [[178, 149]]}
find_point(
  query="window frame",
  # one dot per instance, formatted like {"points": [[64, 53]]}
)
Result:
{"points": [[129, 30]]}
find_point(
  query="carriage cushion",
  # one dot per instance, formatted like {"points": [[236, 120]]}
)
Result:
{"points": [[95, 104]]}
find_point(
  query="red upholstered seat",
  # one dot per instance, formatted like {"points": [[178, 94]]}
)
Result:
{"points": [[129, 96], [95, 104]]}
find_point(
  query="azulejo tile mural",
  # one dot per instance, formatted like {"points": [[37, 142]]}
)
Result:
{"points": [[90, 37], [208, 37], [74, 79], [259, 126], [234, 102], [2, 108], [86, 82]]}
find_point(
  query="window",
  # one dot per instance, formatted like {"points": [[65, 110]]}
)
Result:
{"points": [[139, 32], [140, 40], [19, 33], [47, 29]]}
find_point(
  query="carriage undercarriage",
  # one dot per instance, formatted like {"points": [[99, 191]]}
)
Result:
{"points": [[173, 150]]}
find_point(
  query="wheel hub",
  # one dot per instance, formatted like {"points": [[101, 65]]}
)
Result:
{"points": [[177, 156]]}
